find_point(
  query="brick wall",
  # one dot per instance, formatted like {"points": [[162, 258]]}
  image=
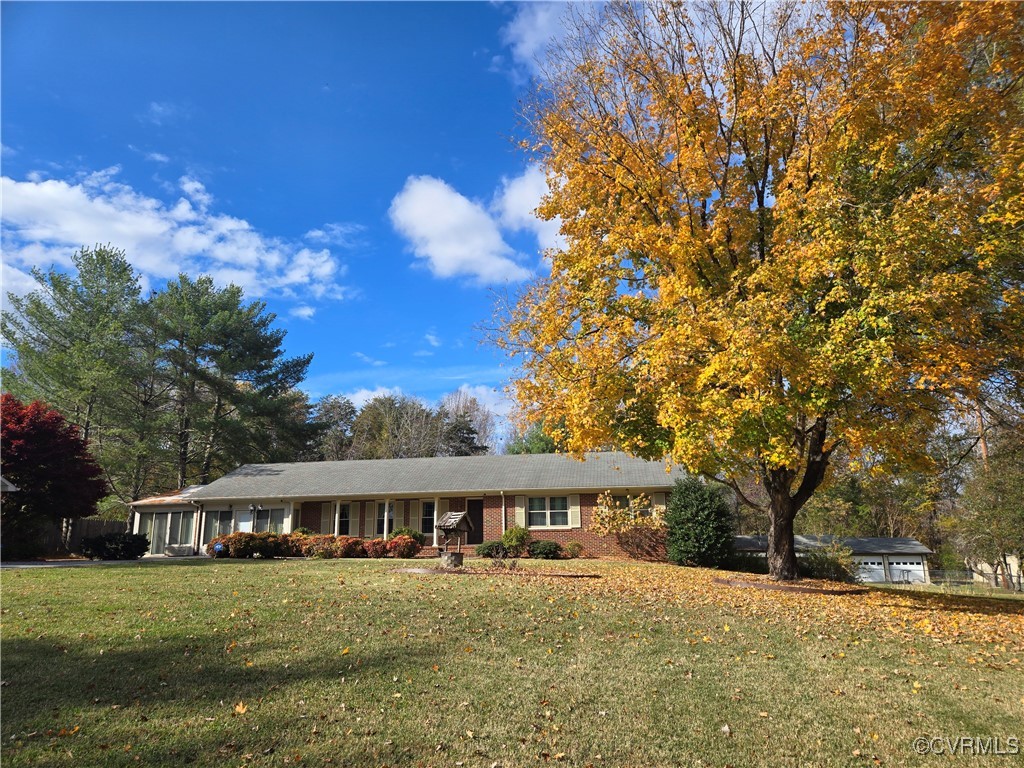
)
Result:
{"points": [[309, 516], [640, 544]]}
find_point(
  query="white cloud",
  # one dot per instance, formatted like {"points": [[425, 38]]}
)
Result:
{"points": [[516, 204], [367, 359], [196, 191], [423, 353], [6, 151], [158, 157], [432, 339], [531, 30], [455, 236], [361, 397], [46, 220], [161, 112], [303, 311], [342, 234]]}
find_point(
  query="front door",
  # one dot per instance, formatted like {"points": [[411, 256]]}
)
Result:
{"points": [[475, 509]]}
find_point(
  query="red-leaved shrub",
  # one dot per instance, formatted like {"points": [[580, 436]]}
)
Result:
{"points": [[375, 547], [318, 546], [348, 546], [403, 546]]}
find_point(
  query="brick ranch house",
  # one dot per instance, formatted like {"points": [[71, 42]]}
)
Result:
{"points": [[552, 495]]}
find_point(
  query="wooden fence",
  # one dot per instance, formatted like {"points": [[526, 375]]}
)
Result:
{"points": [[67, 537]]}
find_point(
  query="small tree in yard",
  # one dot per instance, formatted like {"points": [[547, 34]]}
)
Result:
{"points": [[699, 525], [46, 458]]}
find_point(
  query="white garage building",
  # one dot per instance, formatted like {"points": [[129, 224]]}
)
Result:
{"points": [[880, 560]]}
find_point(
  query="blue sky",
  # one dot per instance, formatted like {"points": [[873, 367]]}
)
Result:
{"points": [[353, 165]]}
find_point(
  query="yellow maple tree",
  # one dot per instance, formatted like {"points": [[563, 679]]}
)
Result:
{"points": [[788, 227]]}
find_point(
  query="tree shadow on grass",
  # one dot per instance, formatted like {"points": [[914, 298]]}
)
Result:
{"points": [[116, 693], [936, 601]]}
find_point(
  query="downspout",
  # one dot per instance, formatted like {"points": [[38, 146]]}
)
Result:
{"points": [[503, 523]]}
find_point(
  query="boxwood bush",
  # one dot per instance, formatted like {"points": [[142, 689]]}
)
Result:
{"points": [[516, 540], [545, 550], [491, 549]]}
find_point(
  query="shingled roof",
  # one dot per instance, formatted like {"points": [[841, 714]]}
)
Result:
{"points": [[859, 546], [439, 477]]}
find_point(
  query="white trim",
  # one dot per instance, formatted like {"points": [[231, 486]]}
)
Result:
{"points": [[437, 512]]}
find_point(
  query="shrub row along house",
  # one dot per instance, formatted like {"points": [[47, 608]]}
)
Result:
{"points": [[552, 495]]}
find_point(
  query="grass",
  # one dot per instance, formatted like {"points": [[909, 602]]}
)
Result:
{"points": [[345, 663], [974, 589]]}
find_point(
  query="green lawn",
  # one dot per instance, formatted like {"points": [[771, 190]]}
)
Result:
{"points": [[345, 663]]}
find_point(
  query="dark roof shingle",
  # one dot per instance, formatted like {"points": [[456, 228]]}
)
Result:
{"points": [[439, 476], [859, 546]]}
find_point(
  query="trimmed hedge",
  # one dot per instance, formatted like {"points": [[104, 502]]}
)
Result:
{"points": [[545, 550], [115, 546], [491, 549]]}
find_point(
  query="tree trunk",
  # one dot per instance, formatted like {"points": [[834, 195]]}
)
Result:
{"points": [[783, 504], [211, 442], [782, 564]]}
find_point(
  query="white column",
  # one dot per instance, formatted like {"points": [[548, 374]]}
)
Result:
{"points": [[387, 515], [437, 511], [337, 517]]}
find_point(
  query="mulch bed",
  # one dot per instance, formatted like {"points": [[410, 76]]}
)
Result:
{"points": [[776, 586], [494, 572]]}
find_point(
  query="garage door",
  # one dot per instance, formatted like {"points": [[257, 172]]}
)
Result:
{"points": [[870, 569], [906, 569]]}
